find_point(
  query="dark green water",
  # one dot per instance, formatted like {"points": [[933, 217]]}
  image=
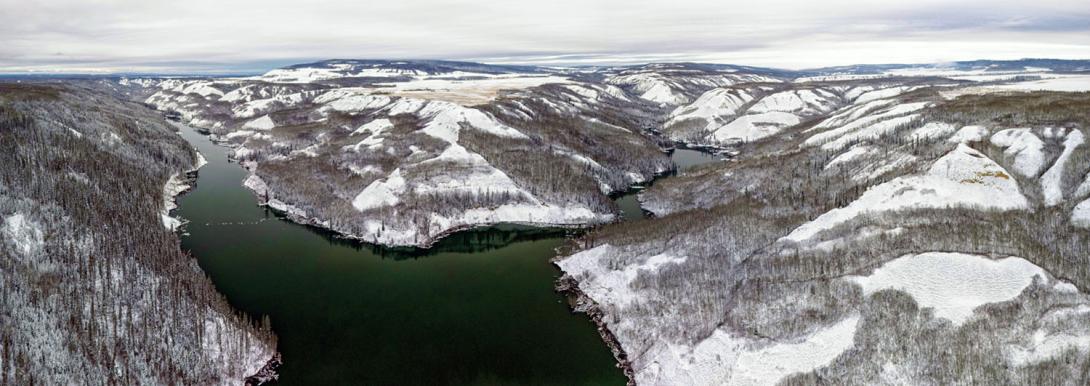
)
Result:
{"points": [[476, 309], [685, 159]]}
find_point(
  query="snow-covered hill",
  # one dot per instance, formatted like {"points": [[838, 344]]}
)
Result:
{"points": [[943, 212], [351, 68], [672, 84], [429, 151], [93, 287], [868, 206]]}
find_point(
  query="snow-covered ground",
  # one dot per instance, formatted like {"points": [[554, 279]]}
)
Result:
{"points": [[768, 365], [953, 284], [312, 74], [751, 113], [721, 358], [724, 359], [24, 233], [1080, 216], [1071, 83], [174, 186], [396, 160], [127, 286], [467, 92], [866, 122], [611, 287], [772, 113], [858, 133], [649, 283], [1048, 346], [1027, 150], [718, 102], [962, 178], [1052, 180], [751, 127], [669, 85]]}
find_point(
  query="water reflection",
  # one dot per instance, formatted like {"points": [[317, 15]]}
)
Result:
{"points": [[474, 240]]}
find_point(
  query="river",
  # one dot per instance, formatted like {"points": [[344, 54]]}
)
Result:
{"points": [[685, 159], [478, 308]]}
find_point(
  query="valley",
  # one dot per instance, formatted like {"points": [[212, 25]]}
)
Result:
{"points": [[347, 312], [830, 176], [395, 221]]}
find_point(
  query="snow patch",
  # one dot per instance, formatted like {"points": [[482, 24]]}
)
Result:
{"points": [[962, 178], [769, 365], [263, 123], [261, 189], [380, 193], [932, 130], [1044, 347], [862, 123], [1080, 215], [1052, 180], [755, 126], [1024, 147], [374, 127], [609, 286], [723, 359], [853, 153], [953, 284], [712, 105], [970, 134], [24, 233], [174, 186]]}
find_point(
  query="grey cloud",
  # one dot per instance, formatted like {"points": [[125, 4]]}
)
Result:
{"points": [[213, 35]]}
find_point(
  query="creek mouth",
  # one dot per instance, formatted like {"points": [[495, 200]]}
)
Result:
{"points": [[477, 308]]}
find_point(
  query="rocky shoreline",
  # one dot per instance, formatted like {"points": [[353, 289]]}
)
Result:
{"points": [[580, 302], [267, 372]]}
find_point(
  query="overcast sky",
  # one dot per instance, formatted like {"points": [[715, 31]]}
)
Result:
{"points": [[253, 35]]}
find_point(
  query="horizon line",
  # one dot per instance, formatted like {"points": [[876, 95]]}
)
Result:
{"points": [[227, 72]]}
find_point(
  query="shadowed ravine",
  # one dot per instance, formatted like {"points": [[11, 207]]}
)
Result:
{"points": [[476, 308]]}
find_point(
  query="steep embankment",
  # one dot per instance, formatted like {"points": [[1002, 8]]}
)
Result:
{"points": [[93, 286]]}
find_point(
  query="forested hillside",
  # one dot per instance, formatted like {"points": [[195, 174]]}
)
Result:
{"points": [[402, 154], [93, 287], [879, 225], [928, 234]]}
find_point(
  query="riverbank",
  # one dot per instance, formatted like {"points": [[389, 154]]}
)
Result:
{"points": [[349, 313], [685, 159], [229, 192], [580, 302]]}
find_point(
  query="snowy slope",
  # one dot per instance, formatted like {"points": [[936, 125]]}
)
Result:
{"points": [[962, 178], [399, 140], [722, 357], [675, 84], [953, 284], [747, 113]]}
